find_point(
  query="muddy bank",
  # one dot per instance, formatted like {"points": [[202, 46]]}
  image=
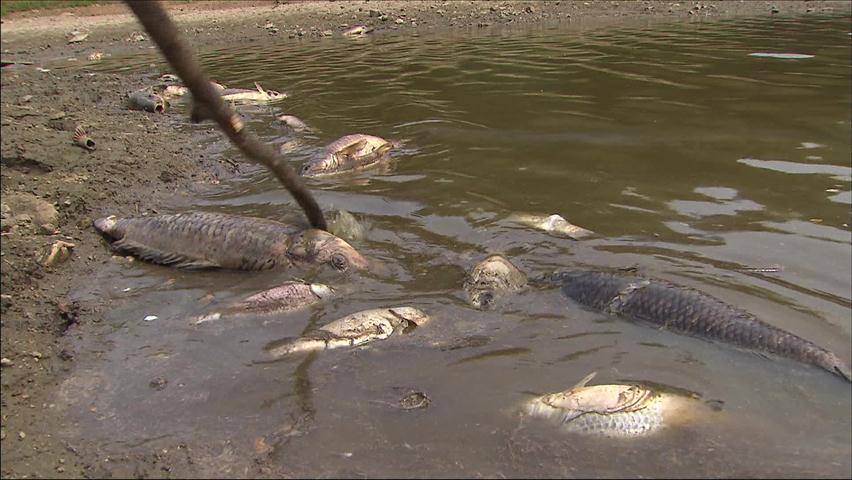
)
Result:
{"points": [[52, 189]]}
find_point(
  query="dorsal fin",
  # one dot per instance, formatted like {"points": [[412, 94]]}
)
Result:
{"points": [[259, 88], [353, 148], [582, 383]]}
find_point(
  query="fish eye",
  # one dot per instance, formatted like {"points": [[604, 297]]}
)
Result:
{"points": [[339, 261]]}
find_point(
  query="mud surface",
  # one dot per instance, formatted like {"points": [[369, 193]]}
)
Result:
{"points": [[141, 157]]}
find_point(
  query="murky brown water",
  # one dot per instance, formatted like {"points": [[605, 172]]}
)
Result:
{"points": [[691, 159]]}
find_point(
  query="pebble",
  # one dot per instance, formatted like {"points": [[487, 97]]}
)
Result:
{"points": [[5, 362], [22, 435]]}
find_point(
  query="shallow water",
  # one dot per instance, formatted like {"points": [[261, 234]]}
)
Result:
{"points": [[691, 158]]}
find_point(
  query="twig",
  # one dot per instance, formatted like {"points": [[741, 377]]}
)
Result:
{"points": [[178, 53]]}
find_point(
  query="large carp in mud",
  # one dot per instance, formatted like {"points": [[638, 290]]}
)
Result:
{"points": [[349, 153], [687, 311], [197, 240], [615, 410]]}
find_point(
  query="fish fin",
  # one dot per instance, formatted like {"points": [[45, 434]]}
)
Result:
{"points": [[383, 149], [259, 88], [352, 148], [582, 383], [153, 255], [571, 415]]}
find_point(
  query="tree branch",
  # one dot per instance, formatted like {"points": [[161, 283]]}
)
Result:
{"points": [[177, 51]]}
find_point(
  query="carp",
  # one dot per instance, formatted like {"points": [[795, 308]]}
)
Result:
{"points": [[287, 297], [347, 154], [259, 95], [615, 410], [490, 279], [690, 312], [150, 102], [554, 224], [352, 330], [196, 240]]}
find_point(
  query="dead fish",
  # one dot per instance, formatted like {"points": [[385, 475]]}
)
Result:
{"points": [[174, 91], [344, 225], [287, 297], [169, 78], [554, 224], [355, 329], [58, 253], [77, 36], [615, 410], [246, 95], [197, 240], [349, 153], [689, 312], [358, 30], [82, 139], [490, 279], [150, 102], [293, 122]]}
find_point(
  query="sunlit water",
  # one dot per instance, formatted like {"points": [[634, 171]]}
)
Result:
{"points": [[689, 157]]}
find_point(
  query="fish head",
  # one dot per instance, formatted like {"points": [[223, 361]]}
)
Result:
{"points": [[106, 225], [490, 275], [409, 317], [326, 165], [319, 246], [321, 290], [275, 95]]}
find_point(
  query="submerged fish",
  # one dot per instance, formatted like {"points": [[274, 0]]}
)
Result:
{"points": [[247, 95], [349, 153], [344, 225], [358, 30], [613, 410], [287, 297], [490, 279], [212, 240], [687, 311], [293, 122], [351, 330], [552, 224], [147, 101]]}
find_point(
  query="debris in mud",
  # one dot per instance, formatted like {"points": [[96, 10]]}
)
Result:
{"points": [[136, 37], [81, 139], [158, 383], [26, 208], [150, 318], [414, 400], [77, 36], [95, 56], [5, 362], [58, 253]]}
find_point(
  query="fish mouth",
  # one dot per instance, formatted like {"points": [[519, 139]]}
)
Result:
{"points": [[158, 108]]}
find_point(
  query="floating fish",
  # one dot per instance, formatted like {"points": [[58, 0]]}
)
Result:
{"points": [[615, 410], [287, 297], [554, 224], [293, 122], [352, 330], [349, 153], [251, 96], [690, 312], [490, 279]]}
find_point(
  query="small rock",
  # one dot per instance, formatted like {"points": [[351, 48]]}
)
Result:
{"points": [[529, 10], [150, 318], [22, 435], [327, 33], [375, 13], [47, 229], [5, 362], [26, 98], [399, 21], [35, 354]]}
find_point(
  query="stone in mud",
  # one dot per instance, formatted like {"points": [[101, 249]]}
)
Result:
{"points": [[26, 208]]}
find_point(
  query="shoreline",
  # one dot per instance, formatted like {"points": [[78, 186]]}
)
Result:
{"points": [[140, 159]]}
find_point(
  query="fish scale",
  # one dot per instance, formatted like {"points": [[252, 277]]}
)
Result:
{"points": [[687, 311]]}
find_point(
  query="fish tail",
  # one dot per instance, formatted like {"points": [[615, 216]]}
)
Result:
{"points": [[82, 138]]}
